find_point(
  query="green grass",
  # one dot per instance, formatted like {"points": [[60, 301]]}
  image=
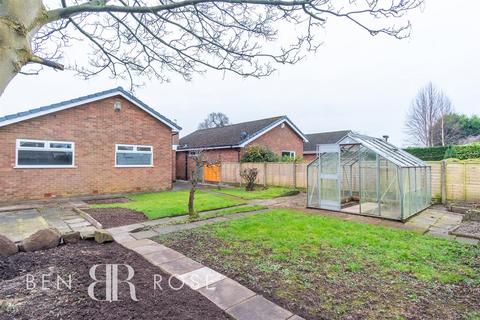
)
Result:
{"points": [[172, 203], [259, 192], [324, 267], [224, 212], [350, 246]]}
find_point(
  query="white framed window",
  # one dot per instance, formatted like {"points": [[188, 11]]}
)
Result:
{"points": [[44, 154], [290, 154], [129, 155]]}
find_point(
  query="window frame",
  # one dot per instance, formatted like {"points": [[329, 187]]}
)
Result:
{"points": [[293, 154], [46, 147], [135, 147]]}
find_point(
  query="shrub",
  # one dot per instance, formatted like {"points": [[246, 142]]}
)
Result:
{"points": [[429, 154], [469, 151], [249, 175], [258, 153]]}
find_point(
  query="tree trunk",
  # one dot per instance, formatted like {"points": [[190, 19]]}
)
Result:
{"points": [[19, 21], [443, 130], [191, 201]]}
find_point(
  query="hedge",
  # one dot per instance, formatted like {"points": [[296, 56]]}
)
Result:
{"points": [[429, 154], [469, 151]]}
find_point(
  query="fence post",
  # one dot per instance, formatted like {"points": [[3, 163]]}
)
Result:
{"points": [[443, 181], [465, 180], [294, 174], [265, 174], [239, 173]]}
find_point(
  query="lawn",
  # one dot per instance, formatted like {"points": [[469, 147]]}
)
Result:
{"points": [[172, 203], [259, 192], [323, 267]]}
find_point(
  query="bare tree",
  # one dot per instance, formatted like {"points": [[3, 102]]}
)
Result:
{"points": [[214, 120], [200, 161], [426, 117], [153, 38]]}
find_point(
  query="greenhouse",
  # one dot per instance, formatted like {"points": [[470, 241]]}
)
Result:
{"points": [[368, 176]]}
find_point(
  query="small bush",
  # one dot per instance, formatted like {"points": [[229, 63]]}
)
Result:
{"points": [[249, 175], [258, 153]]}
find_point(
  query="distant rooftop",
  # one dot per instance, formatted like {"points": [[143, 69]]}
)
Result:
{"points": [[323, 138], [232, 135]]}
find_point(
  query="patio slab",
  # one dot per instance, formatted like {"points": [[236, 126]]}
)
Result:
{"points": [[201, 278], [160, 255], [144, 234], [180, 266], [227, 293], [258, 308], [145, 250]]}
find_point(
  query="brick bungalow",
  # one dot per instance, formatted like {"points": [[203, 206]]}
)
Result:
{"points": [[227, 144], [104, 143], [314, 139]]}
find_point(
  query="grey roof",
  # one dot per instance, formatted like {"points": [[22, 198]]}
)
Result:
{"points": [[323, 138], [17, 117], [232, 135]]}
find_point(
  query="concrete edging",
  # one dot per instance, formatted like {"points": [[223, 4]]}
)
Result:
{"points": [[88, 217]]}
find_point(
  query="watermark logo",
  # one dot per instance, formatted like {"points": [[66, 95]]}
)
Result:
{"points": [[111, 282]]}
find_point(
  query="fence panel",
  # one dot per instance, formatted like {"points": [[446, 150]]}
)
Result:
{"points": [[462, 178], [436, 179]]}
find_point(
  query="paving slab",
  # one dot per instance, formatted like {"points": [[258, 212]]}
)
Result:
{"points": [[227, 293], [144, 234], [258, 308], [145, 250], [75, 220], [123, 238], [135, 243], [124, 229], [180, 266], [79, 224], [201, 278], [161, 255]]}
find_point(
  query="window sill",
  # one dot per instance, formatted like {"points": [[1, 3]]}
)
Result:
{"points": [[134, 166], [45, 167]]}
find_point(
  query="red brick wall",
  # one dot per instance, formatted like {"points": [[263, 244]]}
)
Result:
{"points": [[95, 128], [221, 155], [281, 139], [309, 157]]}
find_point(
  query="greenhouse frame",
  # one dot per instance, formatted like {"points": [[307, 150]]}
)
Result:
{"points": [[368, 176]]}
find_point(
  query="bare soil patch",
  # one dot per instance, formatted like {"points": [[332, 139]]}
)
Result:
{"points": [[470, 228], [116, 217], [107, 201], [17, 302]]}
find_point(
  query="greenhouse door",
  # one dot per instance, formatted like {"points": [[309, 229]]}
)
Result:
{"points": [[329, 176]]}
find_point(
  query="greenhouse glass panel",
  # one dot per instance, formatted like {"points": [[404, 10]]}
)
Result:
{"points": [[368, 176]]}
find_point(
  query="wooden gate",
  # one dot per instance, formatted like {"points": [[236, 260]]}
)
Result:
{"points": [[212, 172]]}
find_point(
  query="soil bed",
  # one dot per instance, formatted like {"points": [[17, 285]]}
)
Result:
{"points": [[116, 217], [107, 201], [18, 302], [470, 228]]}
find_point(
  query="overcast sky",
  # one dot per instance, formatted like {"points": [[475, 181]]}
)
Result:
{"points": [[355, 81]]}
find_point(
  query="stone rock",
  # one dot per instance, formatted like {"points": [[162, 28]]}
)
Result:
{"points": [[7, 246], [102, 236], [71, 237], [41, 240]]}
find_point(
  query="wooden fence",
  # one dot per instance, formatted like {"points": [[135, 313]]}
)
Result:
{"points": [[450, 180]]}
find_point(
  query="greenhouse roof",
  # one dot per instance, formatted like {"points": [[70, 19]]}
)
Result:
{"points": [[385, 149]]}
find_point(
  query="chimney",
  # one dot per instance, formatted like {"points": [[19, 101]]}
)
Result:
{"points": [[385, 137]]}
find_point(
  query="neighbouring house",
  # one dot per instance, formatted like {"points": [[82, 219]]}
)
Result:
{"points": [[227, 144], [314, 139], [105, 143]]}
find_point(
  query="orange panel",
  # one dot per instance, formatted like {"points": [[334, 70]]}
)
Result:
{"points": [[212, 173]]}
